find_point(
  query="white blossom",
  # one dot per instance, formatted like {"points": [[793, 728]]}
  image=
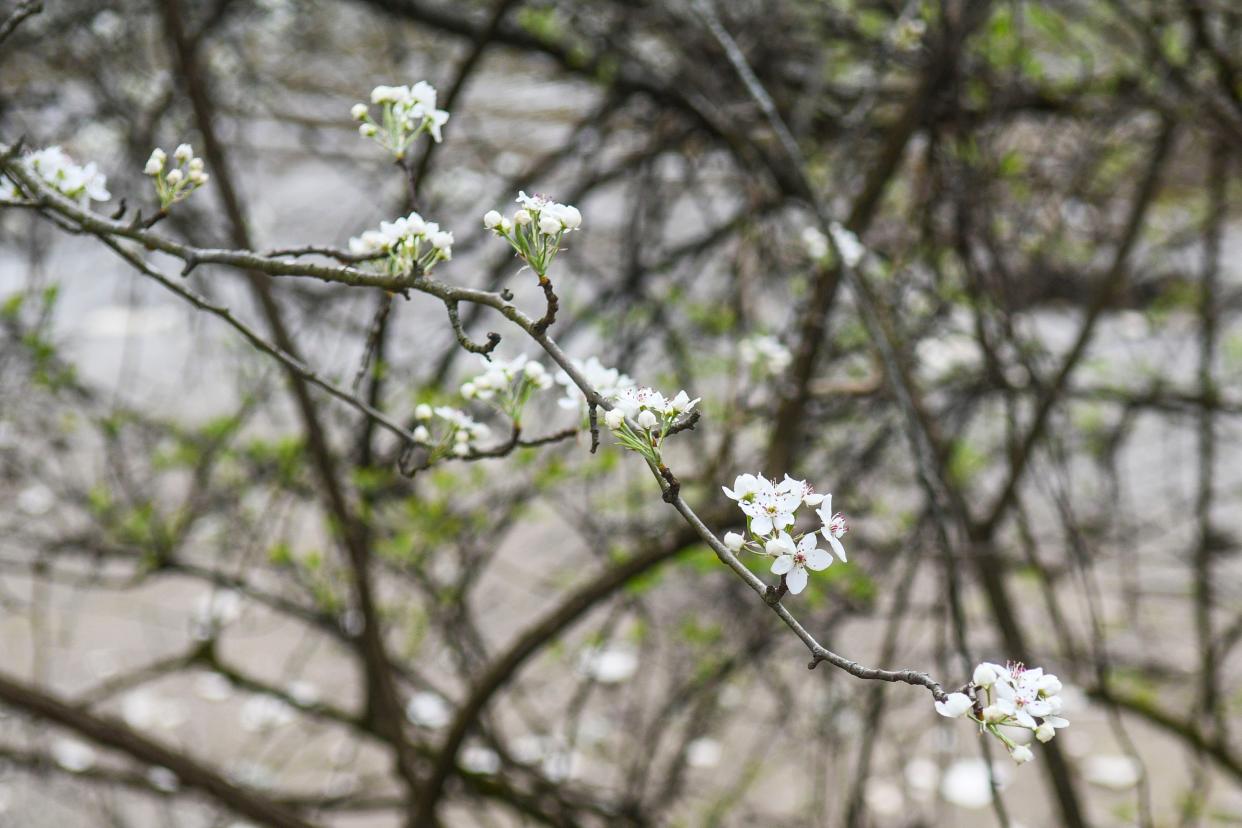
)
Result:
{"points": [[834, 527], [409, 241], [406, 113], [83, 183], [1013, 696], [733, 541], [793, 561], [536, 229]]}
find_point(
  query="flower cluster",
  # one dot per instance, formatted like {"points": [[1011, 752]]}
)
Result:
{"points": [[770, 510], [409, 242], [81, 182], [508, 384], [1010, 696], [536, 229], [653, 414], [607, 381], [457, 434], [765, 355], [183, 179], [405, 113]]}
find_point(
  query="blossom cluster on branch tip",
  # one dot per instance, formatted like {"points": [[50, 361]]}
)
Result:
{"points": [[409, 242], [764, 355], [405, 113], [607, 381], [536, 228], [642, 417], [83, 183], [1010, 696], [771, 513], [177, 183], [445, 431], [507, 384]]}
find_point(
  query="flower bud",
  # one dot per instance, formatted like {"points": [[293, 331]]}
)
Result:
{"points": [[442, 240], [647, 420], [183, 153], [422, 435], [733, 540], [549, 226], [955, 705], [570, 217], [358, 111], [614, 418], [534, 370], [462, 437], [521, 217], [985, 675], [422, 412], [367, 130], [492, 219], [155, 164], [1021, 754], [461, 449], [1045, 732], [468, 390], [994, 715], [174, 177], [196, 165]]}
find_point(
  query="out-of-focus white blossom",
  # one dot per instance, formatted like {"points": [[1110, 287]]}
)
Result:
{"points": [[607, 381], [428, 710], [851, 249], [815, 242], [765, 355], [508, 384], [54, 167], [609, 665], [72, 755]]}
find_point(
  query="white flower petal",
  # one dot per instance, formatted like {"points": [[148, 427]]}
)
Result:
{"points": [[796, 580]]}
